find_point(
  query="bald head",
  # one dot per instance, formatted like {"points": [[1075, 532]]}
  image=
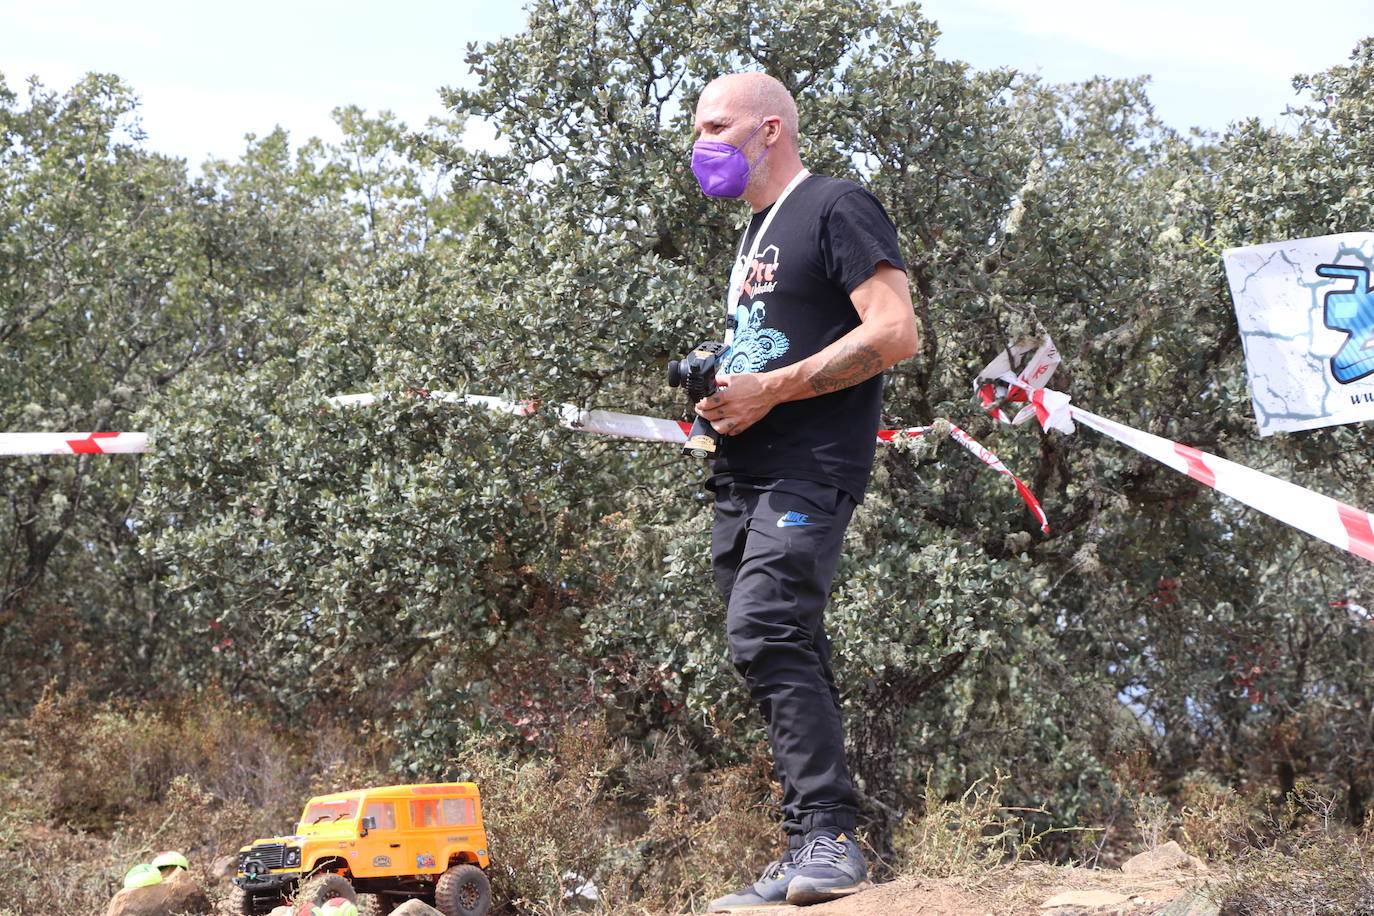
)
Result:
{"points": [[755, 96], [755, 114]]}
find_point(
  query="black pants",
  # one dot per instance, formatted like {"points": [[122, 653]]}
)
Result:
{"points": [[775, 550]]}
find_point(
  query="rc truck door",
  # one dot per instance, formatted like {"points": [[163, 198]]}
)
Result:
{"points": [[424, 837], [382, 851]]}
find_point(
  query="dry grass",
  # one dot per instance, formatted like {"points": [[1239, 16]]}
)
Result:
{"points": [[558, 822], [88, 789], [973, 835], [702, 840], [1299, 858]]}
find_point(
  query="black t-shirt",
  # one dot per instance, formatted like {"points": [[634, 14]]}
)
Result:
{"points": [[829, 236]]}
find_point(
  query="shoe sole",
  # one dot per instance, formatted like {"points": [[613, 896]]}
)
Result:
{"points": [[808, 895]]}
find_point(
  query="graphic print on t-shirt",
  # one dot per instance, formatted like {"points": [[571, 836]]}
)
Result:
{"points": [[762, 275], [753, 345]]}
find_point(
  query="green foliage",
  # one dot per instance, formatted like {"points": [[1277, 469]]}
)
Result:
{"points": [[124, 285], [96, 317]]}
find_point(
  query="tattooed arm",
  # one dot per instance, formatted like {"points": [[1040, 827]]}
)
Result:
{"points": [[854, 363], [885, 336]]}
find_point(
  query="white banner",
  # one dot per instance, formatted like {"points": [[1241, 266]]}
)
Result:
{"points": [[1306, 314]]}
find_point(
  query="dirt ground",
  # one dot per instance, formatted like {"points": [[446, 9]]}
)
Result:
{"points": [[1034, 890]]}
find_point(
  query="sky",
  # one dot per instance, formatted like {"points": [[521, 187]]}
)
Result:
{"points": [[208, 74]]}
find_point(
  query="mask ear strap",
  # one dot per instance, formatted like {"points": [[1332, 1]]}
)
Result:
{"points": [[766, 147], [760, 159]]}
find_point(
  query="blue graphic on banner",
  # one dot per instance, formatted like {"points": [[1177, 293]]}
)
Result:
{"points": [[1351, 311], [753, 345], [1305, 312]]}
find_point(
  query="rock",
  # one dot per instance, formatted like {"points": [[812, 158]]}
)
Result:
{"points": [[224, 868], [1084, 898], [415, 908], [177, 894], [1162, 858], [1198, 903]]}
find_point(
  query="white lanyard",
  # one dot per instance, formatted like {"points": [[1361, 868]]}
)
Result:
{"points": [[740, 272]]}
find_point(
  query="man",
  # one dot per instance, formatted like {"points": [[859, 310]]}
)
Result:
{"points": [[818, 306]]}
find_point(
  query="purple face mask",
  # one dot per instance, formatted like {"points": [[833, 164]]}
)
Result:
{"points": [[721, 169]]}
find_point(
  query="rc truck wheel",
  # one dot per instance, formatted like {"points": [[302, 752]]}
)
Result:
{"points": [[375, 905], [321, 889], [240, 902], [463, 890]]}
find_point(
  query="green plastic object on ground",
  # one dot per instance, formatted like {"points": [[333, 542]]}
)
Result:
{"points": [[171, 858], [143, 875]]}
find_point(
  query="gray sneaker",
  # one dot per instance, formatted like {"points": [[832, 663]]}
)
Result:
{"points": [[769, 891], [828, 869]]}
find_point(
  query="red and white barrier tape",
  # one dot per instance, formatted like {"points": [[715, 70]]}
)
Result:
{"points": [[1333, 521], [72, 443], [992, 461], [634, 426], [1320, 516], [603, 422]]}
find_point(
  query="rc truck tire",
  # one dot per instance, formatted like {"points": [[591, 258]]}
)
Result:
{"points": [[375, 905], [463, 890], [321, 889], [240, 902]]}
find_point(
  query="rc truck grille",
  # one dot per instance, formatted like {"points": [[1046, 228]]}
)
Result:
{"points": [[269, 855]]}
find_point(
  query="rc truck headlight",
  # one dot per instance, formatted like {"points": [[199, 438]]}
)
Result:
{"points": [[292, 857]]}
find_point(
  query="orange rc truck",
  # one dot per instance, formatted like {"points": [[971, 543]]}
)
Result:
{"points": [[377, 847]]}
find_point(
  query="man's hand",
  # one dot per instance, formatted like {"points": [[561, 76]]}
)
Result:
{"points": [[741, 401], [886, 334]]}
